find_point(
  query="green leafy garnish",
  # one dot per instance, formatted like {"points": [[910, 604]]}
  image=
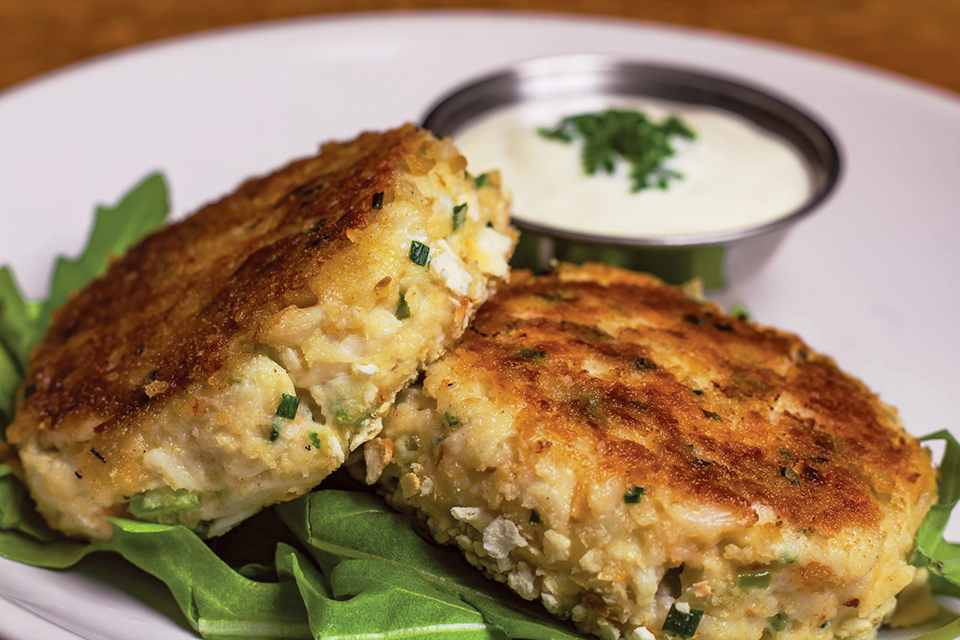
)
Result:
{"points": [[288, 406], [633, 495], [160, 502], [459, 215], [779, 622], [740, 312], [630, 136], [451, 419], [403, 309], [682, 624], [419, 253], [482, 180], [754, 579], [933, 551]]}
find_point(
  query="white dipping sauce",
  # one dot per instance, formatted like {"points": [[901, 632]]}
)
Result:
{"points": [[735, 174]]}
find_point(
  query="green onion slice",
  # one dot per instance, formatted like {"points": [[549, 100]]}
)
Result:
{"points": [[288, 406], [419, 253], [753, 579], [633, 495], [681, 624]]}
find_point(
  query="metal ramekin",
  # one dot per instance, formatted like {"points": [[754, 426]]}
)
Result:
{"points": [[717, 258]]}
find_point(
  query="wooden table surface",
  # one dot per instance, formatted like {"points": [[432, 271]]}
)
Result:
{"points": [[917, 38]]}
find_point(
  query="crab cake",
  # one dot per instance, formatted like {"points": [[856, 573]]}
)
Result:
{"points": [[234, 359], [652, 468]]}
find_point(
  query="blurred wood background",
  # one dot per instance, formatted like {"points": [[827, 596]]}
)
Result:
{"points": [[917, 38]]}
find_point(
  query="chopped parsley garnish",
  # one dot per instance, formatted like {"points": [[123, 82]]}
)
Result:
{"points": [[451, 419], [624, 135], [680, 623], [633, 495], [459, 215], [419, 253], [482, 180], [275, 429], [288, 406], [377, 202], [315, 439], [342, 415], [403, 309], [712, 415]]}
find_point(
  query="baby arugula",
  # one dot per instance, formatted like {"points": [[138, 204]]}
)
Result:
{"points": [[335, 564]]}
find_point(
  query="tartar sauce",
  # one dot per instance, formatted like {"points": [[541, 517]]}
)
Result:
{"points": [[735, 174]]}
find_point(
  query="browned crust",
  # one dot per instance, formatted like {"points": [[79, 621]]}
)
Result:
{"points": [[835, 457], [188, 299]]}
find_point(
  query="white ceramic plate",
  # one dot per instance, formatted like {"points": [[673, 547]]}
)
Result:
{"points": [[871, 278]]}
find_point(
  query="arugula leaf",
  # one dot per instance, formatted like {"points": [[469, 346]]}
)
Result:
{"points": [[18, 320], [933, 551], [373, 556]]}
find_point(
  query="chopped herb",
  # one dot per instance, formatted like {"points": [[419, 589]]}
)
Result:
{"points": [[451, 419], [342, 415], [532, 354], [712, 415], [740, 312], [490, 224], [403, 309], [315, 439], [288, 406], [459, 215], [534, 516], [377, 202], [753, 579], [644, 363], [679, 623], [779, 622], [156, 502], [482, 180], [633, 495], [77, 473], [622, 135], [275, 429], [419, 253]]}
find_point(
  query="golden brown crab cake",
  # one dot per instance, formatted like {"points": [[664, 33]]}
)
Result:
{"points": [[232, 360], [651, 468]]}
